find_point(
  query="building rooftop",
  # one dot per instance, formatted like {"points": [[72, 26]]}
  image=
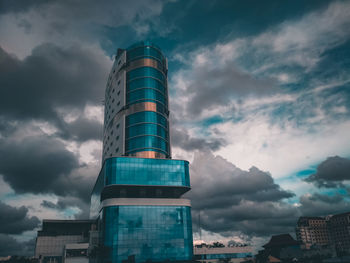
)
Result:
{"points": [[281, 241], [54, 227]]}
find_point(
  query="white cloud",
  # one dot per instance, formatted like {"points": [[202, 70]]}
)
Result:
{"points": [[281, 150], [305, 133], [302, 41]]}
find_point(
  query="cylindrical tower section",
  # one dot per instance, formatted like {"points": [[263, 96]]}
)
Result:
{"points": [[146, 123]]}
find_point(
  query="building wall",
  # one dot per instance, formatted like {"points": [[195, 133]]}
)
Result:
{"points": [[136, 104], [76, 253], [334, 230], [154, 232], [312, 231], [113, 134], [339, 228], [54, 245]]}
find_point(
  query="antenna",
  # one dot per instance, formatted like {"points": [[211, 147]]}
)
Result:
{"points": [[199, 225]]}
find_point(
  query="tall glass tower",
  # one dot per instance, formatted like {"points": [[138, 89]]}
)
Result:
{"points": [[137, 196]]}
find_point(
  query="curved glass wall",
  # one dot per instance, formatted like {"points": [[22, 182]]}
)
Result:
{"points": [[146, 129], [147, 141], [146, 82], [144, 52], [144, 117], [145, 94], [150, 233], [145, 72]]}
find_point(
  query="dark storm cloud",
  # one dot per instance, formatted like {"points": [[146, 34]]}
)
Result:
{"points": [[51, 77], [234, 183], [230, 199], [331, 173], [10, 246], [8, 6], [81, 129], [36, 88], [16, 220], [213, 86], [248, 218], [36, 164], [181, 138], [70, 201], [42, 164], [322, 205], [49, 204]]}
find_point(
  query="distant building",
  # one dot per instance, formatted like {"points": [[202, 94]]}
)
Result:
{"points": [[312, 231], [332, 231], [236, 254], [53, 241], [339, 231]]}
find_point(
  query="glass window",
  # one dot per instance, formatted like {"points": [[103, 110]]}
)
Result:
{"points": [[146, 82], [145, 94], [150, 233], [145, 72], [146, 116], [144, 51], [146, 128], [144, 171], [148, 141]]}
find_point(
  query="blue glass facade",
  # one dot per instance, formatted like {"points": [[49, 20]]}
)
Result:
{"points": [[137, 196], [145, 50], [139, 171], [150, 233], [147, 84]]}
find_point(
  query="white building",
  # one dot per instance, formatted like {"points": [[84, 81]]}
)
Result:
{"points": [[236, 254], [56, 235]]}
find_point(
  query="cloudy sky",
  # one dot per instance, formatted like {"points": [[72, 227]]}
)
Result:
{"points": [[259, 99]]}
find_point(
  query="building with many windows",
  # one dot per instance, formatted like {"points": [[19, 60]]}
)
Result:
{"points": [[137, 196], [339, 231], [311, 231], [332, 231]]}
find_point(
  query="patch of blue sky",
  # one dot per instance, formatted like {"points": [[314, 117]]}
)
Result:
{"points": [[8, 196], [212, 121], [334, 192], [71, 212], [305, 173], [344, 192]]}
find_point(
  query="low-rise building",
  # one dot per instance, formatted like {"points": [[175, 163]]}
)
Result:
{"points": [[55, 235], [209, 254]]}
